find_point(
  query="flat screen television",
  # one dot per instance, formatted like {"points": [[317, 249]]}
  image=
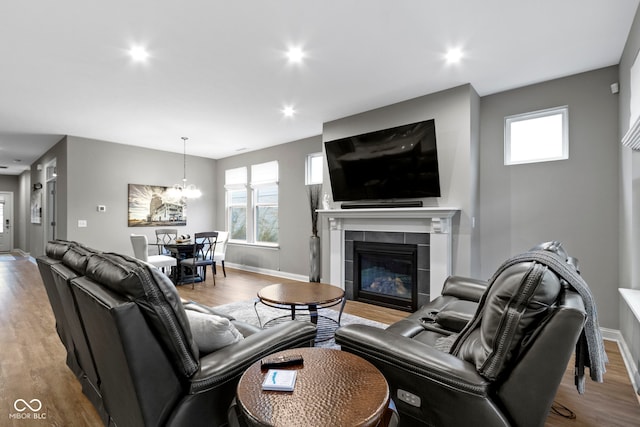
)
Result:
{"points": [[395, 163]]}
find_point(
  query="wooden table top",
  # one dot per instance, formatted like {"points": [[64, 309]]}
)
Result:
{"points": [[301, 293], [333, 388]]}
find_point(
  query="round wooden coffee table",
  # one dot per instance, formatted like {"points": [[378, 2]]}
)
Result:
{"points": [[309, 297], [333, 388]]}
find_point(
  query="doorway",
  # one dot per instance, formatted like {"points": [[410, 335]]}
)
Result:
{"points": [[6, 219], [50, 203]]}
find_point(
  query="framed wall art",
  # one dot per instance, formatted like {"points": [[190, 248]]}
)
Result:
{"points": [[36, 207], [153, 206]]}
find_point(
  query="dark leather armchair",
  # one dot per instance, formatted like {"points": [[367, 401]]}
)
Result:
{"points": [[138, 358], [64, 261], [501, 368]]}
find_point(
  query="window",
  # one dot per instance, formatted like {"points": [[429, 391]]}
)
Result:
{"points": [[258, 224], [539, 136], [235, 183], [313, 167], [264, 182]]}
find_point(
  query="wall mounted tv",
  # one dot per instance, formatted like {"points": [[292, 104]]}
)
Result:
{"points": [[395, 163]]}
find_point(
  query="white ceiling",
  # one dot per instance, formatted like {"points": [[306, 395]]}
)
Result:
{"points": [[218, 73]]}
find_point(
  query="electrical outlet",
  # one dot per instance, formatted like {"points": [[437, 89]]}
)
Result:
{"points": [[409, 398], [82, 223]]}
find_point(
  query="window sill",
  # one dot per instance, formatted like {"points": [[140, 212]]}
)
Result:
{"points": [[632, 298], [255, 245]]}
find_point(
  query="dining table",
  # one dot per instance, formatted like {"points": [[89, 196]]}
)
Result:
{"points": [[183, 249]]}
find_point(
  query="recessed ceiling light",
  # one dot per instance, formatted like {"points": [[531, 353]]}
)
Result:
{"points": [[138, 53], [295, 55], [454, 55], [288, 111]]}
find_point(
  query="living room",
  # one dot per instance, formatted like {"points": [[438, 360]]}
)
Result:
{"points": [[589, 202]]}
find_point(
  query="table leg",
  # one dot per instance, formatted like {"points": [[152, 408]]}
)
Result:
{"points": [[255, 308], [293, 312], [344, 300], [313, 313]]}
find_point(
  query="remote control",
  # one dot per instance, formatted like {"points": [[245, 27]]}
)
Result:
{"points": [[280, 361]]}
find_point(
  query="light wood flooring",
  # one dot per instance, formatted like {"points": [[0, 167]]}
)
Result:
{"points": [[33, 358]]}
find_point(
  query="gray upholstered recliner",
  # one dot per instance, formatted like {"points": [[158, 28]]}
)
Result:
{"points": [[136, 353], [505, 365]]}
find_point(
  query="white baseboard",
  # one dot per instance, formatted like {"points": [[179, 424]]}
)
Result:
{"points": [[611, 334], [627, 357], [268, 272]]}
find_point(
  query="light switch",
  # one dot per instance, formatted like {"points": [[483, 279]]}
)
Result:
{"points": [[102, 208], [82, 223]]}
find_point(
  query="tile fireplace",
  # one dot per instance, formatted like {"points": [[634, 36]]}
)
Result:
{"points": [[422, 235], [383, 272]]}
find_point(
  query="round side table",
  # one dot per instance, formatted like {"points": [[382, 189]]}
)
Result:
{"points": [[333, 388], [296, 296]]}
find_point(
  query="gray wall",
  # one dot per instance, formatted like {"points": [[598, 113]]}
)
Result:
{"points": [[575, 201], [292, 256], [456, 118], [9, 183], [92, 173]]}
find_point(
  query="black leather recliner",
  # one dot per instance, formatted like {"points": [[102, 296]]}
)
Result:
{"points": [[56, 276], [137, 358], [62, 327], [502, 367], [446, 315]]}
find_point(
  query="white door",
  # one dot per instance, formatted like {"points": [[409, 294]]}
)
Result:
{"points": [[6, 219]]}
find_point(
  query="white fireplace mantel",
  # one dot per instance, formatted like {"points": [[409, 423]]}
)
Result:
{"points": [[436, 221]]}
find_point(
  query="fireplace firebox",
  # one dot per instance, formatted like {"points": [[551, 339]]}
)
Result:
{"points": [[386, 274]]}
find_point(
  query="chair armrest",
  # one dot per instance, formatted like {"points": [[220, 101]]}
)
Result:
{"points": [[230, 361], [455, 315], [245, 328], [465, 288], [421, 361]]}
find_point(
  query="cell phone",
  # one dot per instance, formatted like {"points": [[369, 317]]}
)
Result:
{"points": [[281, 361]]}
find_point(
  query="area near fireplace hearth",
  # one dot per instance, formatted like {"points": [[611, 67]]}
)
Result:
{"points": [[428, 229]]}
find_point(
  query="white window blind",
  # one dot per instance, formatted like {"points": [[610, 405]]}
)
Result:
{"points": [[237, 176], [264, 173]]}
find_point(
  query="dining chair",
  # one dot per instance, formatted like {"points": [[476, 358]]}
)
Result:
{"points": [[221, 248], [140, 245], [165, 235], [204, 246]]}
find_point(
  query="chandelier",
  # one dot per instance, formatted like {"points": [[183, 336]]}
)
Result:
{"points": [[189, 191]]}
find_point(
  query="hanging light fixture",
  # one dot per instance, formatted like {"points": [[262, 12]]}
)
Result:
{"points": [[189, 191]]}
